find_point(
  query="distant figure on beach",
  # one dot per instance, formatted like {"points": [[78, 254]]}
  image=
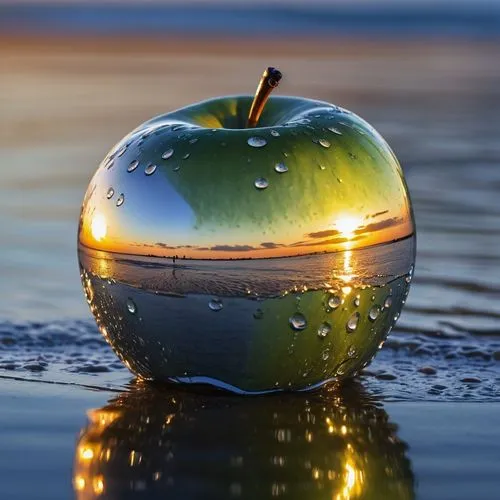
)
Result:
{"points": [[173, 258]]}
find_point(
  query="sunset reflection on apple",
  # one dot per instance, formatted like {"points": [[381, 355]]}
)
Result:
{"points": [[267, 259]]}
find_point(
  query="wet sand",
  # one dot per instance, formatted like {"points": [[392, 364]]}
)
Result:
{"points": [[64, 102]]}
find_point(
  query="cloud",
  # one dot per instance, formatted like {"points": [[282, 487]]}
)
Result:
{"points": [[164, 245], [232, 248], [324, 234], [330, 241], [378, 226], [377, 214], [270, 244]]}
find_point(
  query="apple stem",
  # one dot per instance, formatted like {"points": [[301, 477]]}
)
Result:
{"points": [[268, 81]]}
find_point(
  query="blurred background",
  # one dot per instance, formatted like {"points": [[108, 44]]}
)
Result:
{"points": [[76, 76]]}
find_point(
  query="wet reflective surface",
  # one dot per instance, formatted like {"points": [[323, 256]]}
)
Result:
{"points": [[157, 444]]}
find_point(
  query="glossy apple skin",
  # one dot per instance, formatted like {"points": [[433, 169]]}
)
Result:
{"points": [[264, 254]]}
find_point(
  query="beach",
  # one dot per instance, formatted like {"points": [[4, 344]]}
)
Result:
{"points": [[66, 100]]}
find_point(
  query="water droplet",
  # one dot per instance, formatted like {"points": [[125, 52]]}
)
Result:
{"points": [[256, 142], [120, 200], [280, 167], [121, 151], [352, 322], [110, 193], [109, 163], [297, 321], [351, 352], [321, 167], [335, 130], [325, 354], [324, 329], [334, 301], [133, 165], [258, 314], [150, 169], [275, 133], [132, 308], [261, 183], [193, 141], [374, 312], [176, 168], [285, 154], [356, 301], [396, 316], [352, 156], [388, 302], [167, 154], [186, 156], [215, 304], [324, 142]]}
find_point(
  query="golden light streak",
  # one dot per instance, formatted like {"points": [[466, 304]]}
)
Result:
{"points": [[86, 454], [79, 483]]}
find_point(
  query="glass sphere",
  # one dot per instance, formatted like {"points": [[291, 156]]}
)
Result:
{"points": [[257, 260]]}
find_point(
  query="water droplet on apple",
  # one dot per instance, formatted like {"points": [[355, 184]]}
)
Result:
{"points": [[258, 314], [321, 167], [132, 308], [215, 304], [176, 168], [167, 154], [351, 352], [388, 302], [193, 141], [356, 301], [261, 183], [186, 156], [373, 312], [275, 133], [150, 169], [280, 167], [335, 130], [109, 163], [334, 301], [256, 142], [324, 329], [120, 200], [325, 354], [324, 142], [121, 151], [353, 156], [297, 321], [133, 165], [352, 322], [110, 193]]}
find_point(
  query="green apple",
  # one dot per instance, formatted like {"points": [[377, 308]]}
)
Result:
{"points": [[265, 258]]}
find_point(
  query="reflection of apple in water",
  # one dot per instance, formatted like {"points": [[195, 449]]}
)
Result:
{"points": [[150, 444], [189, 194]]}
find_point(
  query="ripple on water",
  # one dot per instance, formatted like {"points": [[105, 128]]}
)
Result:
{"points": [[409, 367]]}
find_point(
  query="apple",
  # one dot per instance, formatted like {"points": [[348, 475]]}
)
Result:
{"points": [[256, 244]]}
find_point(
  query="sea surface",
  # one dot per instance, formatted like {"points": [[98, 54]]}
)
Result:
{"points": [[435, 384]]}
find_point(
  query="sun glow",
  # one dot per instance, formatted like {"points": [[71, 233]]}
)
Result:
{"points": [[347, 225], [98, 227]]}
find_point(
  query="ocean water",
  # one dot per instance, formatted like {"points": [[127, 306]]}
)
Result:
{"points": [[405, 426]]}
